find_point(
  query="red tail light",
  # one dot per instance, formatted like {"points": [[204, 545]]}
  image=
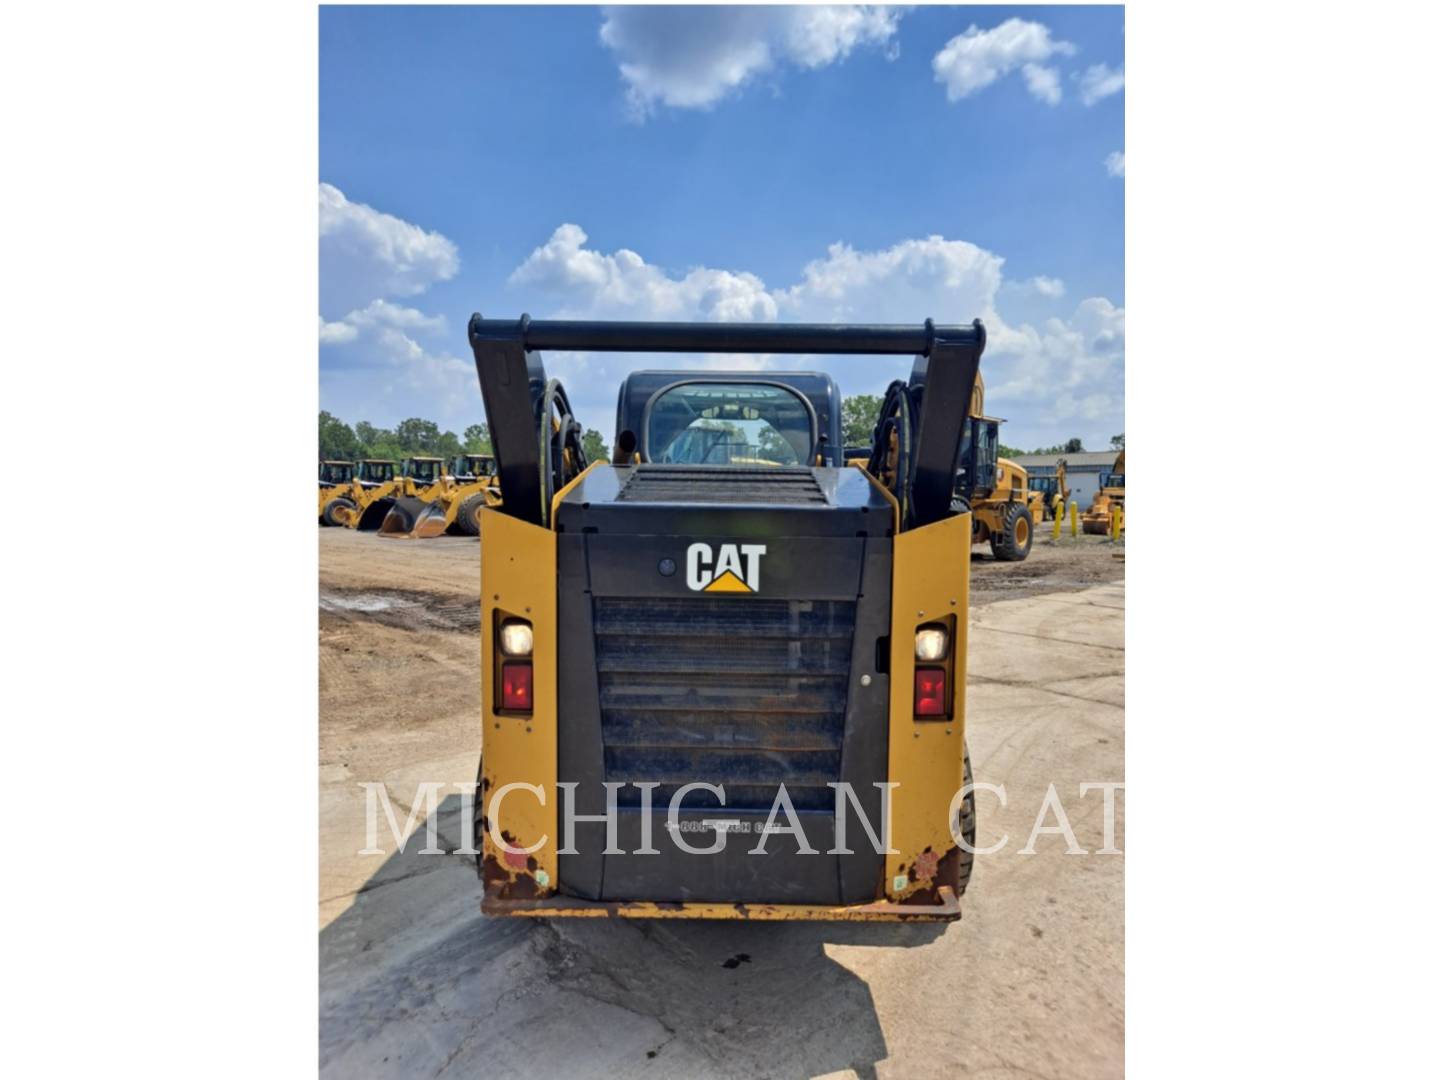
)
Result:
{"points": [[517, 685], [930, 692]]}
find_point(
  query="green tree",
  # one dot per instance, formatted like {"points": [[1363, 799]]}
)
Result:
{"points": [[594, 445], [772, 446], [1070, 446], [1010, 451], [477, 439], [337, 441], [1117, 442], [858, 414], [418, 436], [368, 433]]}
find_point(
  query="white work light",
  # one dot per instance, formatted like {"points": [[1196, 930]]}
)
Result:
{"points": [[931, 643], [516, 637]]}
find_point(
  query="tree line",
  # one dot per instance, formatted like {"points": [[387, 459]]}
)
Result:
{"points": [[417, 437], [859, 412]]}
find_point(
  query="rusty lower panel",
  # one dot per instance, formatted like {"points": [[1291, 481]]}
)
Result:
{"points": [[945, 909]]}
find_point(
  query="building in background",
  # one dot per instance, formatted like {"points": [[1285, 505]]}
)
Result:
{"points": [[1082, 471]]}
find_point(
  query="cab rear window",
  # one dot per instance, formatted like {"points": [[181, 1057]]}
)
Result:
{"points": [[729, 424]]}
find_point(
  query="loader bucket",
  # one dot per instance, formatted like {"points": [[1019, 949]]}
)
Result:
{"points": [[374, 514], [414, 519]]}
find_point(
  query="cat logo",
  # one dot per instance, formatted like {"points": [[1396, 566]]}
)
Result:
{"points": [[735, 569]]}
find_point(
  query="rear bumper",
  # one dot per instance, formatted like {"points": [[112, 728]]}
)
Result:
{"points": [[948, 910]]}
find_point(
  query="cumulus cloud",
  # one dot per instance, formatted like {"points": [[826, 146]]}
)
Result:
{"points": [[365, 254], [1115, 163], [1046, 286], [623, 285], [1060, 378], [1099, 82], [973, 60], [693, 57], [366, 257]]}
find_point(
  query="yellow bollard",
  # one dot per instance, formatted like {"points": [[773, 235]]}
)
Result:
{"points": [[1117, 522], [1057, 511], [1074, 520]]}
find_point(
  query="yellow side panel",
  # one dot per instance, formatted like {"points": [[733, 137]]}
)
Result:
{"points": [[931, 581], [518, 577]]}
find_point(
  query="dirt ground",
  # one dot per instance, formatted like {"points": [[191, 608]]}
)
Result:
{"points": [[413, 980]]}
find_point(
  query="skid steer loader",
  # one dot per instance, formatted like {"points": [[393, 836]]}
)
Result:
{"points": [[367, 500], [712, 688], [1096, 520], [335, 480], [411, 514]]}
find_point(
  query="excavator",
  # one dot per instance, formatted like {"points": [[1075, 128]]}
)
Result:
{"points": [[335, 480], [369, 496], [1049, 489], [1111, 497], [452, 503]]}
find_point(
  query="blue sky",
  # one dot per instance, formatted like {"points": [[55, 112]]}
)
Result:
{"points": [[760, 163]]}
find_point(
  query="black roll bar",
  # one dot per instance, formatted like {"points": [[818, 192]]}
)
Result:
{"points": [[835, 339], [512, 375]]}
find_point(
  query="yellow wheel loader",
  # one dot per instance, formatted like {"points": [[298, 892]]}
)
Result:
{"points": [[369, 498], [477, 485], [995, 489], [450, 504], [1111, 495], [411, 515], [714, 688], [335, 480]]}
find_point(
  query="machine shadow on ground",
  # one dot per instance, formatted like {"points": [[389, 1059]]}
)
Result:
{"points": [[414, 980]]}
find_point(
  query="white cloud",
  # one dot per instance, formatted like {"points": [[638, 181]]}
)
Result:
{"points": [[973, 60], [693, 57], [365, 254], [1115, 163], [1046, 286], [1043, 83], [1099, 82], [624, 285], [1060, 378]]}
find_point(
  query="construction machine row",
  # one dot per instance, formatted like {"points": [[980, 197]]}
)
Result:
{"points": [[425, 497]]}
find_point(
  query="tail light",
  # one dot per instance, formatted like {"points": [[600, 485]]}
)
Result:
{"points": [[517, 686], [930, 696]]}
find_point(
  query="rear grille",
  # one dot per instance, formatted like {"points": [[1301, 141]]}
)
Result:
{"points": [[722, 484], [748, 693]]}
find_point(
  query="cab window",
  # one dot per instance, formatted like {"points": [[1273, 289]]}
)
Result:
{"points": [[729, 424]]}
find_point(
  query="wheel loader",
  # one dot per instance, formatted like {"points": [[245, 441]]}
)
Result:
{"points": [[369, 498], [995, 489], [714, 688], [422, 481], [1111, 495], [335, 480], [450, 505]]}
